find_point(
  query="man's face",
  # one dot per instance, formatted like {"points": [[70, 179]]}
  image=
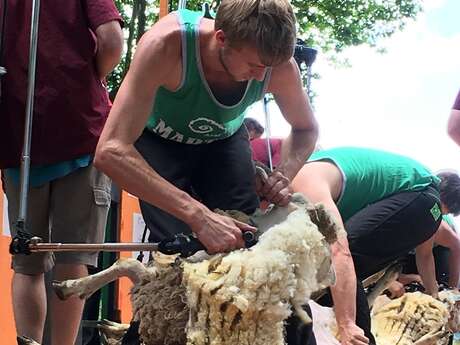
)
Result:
{"points": [[242, 63]]}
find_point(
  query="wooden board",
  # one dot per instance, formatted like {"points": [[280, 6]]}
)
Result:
{"points": [[129, 208]]}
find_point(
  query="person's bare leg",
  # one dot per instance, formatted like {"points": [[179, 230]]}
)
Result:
{"points": [[66, 315], [29, 305]]}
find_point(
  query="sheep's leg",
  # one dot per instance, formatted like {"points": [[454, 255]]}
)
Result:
{"points": [[391, 274], [23, 340], [111, 332], [85, 287]]}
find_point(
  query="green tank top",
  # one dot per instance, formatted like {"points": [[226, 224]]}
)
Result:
{"points": [[371, 175], [192, 114]]}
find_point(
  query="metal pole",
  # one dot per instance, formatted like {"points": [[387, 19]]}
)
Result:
{"points": [[91, 247], [309, 75], [25, 162], [268, 132]]}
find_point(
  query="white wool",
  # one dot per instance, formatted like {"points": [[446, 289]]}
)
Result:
{"points": [[245, 296], [410, 319]]}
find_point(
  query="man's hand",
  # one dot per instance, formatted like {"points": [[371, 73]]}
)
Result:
{"points": [[276, 188], [351, 334], [220, 233]]}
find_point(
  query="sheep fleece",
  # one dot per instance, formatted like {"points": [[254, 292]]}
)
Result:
{"points": [[239, 298]]}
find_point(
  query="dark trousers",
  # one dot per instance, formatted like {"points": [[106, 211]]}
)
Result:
{"points": [[219, 174], [390, 228]]}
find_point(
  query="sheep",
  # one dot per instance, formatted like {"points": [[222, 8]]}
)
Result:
{"points": [[412, 319], [242, 297]]}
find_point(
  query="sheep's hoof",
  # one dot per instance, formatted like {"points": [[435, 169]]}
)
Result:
{"points": [[60, 289], [23, 340]]}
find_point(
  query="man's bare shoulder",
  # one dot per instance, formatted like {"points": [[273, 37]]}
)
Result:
{"points": [[162, 42]]}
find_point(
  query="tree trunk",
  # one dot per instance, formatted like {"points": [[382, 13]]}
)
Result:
{"points": [[131, 35], [142, 19]]}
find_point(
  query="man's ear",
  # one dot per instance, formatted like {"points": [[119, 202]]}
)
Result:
{"points": [[220, 37]]}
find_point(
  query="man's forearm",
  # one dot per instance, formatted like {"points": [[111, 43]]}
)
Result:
{"points": [[296, 148], [344, 290], [132, 173], [109, 47], [426, 269]]}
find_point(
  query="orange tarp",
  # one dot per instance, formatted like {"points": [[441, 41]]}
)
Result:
{"points": [[7, 328]]}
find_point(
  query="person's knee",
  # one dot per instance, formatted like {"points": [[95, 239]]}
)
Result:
{"points": [[69, 271], [33, 264], [72, 260]]}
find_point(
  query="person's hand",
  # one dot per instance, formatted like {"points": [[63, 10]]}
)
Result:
{"points": [[351, 334], [219, 233], [276, 188], [396, 289]]}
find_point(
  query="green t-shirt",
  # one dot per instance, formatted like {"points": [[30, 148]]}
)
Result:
{"points": [[448, 219], [192, 114], [371, 175]]}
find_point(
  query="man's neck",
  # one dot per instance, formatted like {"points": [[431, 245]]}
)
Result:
{"points": [[209, 51], [223, 85]]}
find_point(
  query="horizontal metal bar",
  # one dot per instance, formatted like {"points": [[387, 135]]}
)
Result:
{"points": [[92, 247]]}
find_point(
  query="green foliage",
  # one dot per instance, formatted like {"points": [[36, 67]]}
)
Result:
{"points": [[330, 25], [334, 25]]}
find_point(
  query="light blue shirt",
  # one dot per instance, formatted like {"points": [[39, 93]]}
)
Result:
{"points": [[42, 174]]}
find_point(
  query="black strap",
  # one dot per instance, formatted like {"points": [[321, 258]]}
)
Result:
{"points": [[140, 257]]}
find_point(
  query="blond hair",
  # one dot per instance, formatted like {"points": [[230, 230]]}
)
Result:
{"points": [[269, 25]]}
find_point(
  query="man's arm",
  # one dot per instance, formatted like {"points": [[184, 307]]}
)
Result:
{"points": [[453, 125], [447, 237], [286, 86], [109, 38], [425, 266], [318, 190], [157, 59], [344, 294]]}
